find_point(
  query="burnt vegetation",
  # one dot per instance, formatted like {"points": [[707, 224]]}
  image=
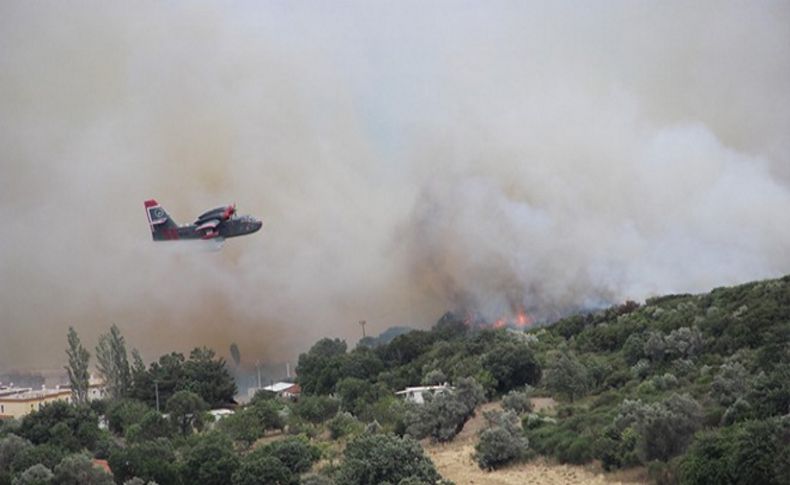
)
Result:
{"points": [[696, 388]]}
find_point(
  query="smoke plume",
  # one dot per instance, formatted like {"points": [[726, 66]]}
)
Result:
{"points": [[406, 159]]}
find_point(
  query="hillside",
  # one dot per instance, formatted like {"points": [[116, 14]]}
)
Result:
{"points": [[682, 384], [680, 389]]}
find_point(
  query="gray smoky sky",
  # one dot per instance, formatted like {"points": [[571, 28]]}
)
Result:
{"points": [[406, 158]]}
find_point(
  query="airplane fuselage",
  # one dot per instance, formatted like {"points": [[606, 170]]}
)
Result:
{"points": [[231, 228], [216, 224]]}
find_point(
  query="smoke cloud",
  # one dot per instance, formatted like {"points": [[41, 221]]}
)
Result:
{"points": [[406, 159]]}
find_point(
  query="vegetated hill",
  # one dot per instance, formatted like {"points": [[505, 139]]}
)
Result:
{"points": [[695, 386], [692, 386], [384, 337]]}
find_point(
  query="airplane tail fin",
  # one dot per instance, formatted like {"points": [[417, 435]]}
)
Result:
{"points": [[161, 223]]}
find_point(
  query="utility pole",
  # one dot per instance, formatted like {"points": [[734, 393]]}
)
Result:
{"points": [[156, 390], [258, 367], [362, 323]]}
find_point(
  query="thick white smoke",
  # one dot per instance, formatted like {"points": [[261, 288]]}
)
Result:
{"points": [[406, 159]]}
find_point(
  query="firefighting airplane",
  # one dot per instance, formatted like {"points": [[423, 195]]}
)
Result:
{"points": [[216, 224]]}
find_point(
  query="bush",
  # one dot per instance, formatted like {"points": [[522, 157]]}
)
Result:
{"points": [[78, 469], [294, 452], [517, 401], [577, 451], [262, 469], [343, 424], [316, 409], [664, 429], [731, 382], [37, 474], [62, 425], [211, 460], [502, 442], [150, 460], [513, 365], [125, 412], [443, 415], [707, 460], [379, 458], [565, 376]]}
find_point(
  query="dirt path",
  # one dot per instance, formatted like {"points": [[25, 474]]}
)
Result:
{"points": [[454, 461]]}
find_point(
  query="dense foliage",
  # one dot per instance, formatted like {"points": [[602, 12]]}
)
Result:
{"points": [[696, 388], [372, 459]]}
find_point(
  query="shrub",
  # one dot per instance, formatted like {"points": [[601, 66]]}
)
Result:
{"points": [[150, 460], [211, 460], [64, 425], [343, 424], [740, 410], [316, 409], [434, 378], [664, 429], [517, 401], [262, 469], [294, 452], [707, 460], [37, 474], [443, 415], [501, 442], [125, 412], [731, 382], [578, 451], [78, 469], [379, 458]]}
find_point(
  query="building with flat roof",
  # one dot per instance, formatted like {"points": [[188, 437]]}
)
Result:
{"points": [[417, 394], [19, 402], [283, 389]]}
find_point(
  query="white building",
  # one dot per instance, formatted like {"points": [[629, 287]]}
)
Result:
{"points": [[417, 394], [283, 389]]}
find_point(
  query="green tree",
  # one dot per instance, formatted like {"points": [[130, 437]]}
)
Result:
{"points": [[46, 454], [294, 452], [165, 375], [501, 442], [113, 364], [72, 427], [664, 428], [566, 376], [512, 364], [362, 363], [708, 459], [37, 474], [208, 377], [444, 414], [356, 395], [243, 426], [150, 427], [373, 459], [517, 401], [320, 368], [78, 469], [316, 409], [123, 413], [186, 411], [759, 452], [77, 369], [149, 460], [11, 446], [268, 414], [258, 468], [210, 461]]}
